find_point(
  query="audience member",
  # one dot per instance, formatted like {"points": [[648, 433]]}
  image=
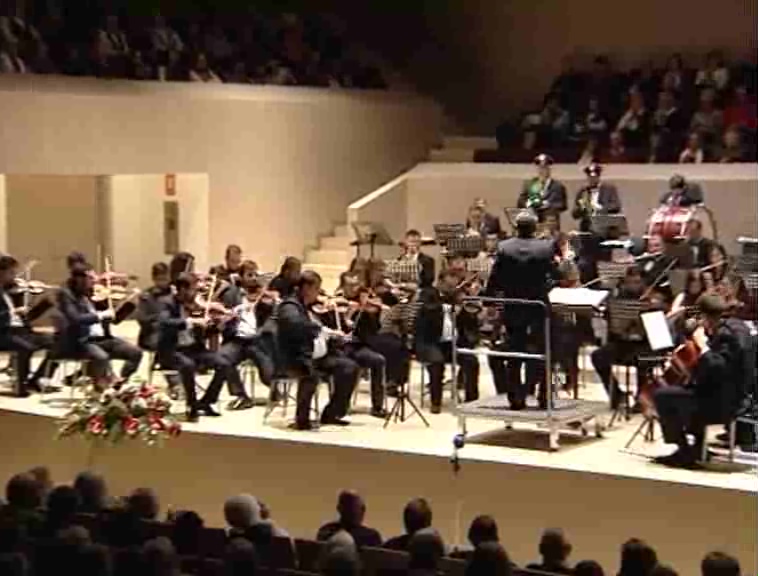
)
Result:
{"points": [[554, 120], [707, 119], [92, 560], [23, 503], [167, 45], [674, 77], [62, 507], [340, 556], [714, 73], [637, 558], [187, 533], [482, 529], [14, 565], [588, 568], [555, 550], [93, 492], [112, 48], [159, 558], [489, 559], [201, 72], [667, 117], [741, 111], [663, 570], [719, 564], [590, 153], [660, 150], [426, 549], [732, 149], [416, 516], [41, 475], [240, 558], [693, 152], [634, 123], [352, 510], [616, 153], [143, 504]]}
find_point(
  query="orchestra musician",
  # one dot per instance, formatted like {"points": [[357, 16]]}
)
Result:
{"points": [[596, 197], [181, 346], [230, 270], [297, 335], [682, 193], [482, 222], [289, 274], [716, 386], [181, 263], [251, 305], [434, 338], [85, 332], [684, 305], [412, 253], [543, 194], [15, 333], [699, 244], [523, 269]]}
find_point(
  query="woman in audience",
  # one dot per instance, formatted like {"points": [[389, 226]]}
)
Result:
{"points": [[674, 77], [637, 558], [201, 72], [741, 111], [489, 559], [714, 73], [707, 119], [634, 123], [555, 550], [732, 149], [693, 152]]}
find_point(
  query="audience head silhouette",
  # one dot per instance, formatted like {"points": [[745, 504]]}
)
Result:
{"points": [[426, 549], [159, 558], [719, 564], [242, 511], [637, 558], [483, 529], [417, 515], [588, 568], [92, 491], [351, 508], [240, 558], [22, 492], [143, 503], [489, 559], [554, 548]]}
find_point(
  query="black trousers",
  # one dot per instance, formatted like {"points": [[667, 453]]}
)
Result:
{"points": [[396, 355], [101, 351], [187, 361], [677, 409], [436, 356], [612, 353], [24, 342], [344, 374], [525, 336], [238, 350], [365, 357]]}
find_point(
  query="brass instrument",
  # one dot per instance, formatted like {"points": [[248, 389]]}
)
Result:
{"points": [[535, 193]]}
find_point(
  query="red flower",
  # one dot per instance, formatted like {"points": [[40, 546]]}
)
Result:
{"points": [[131, 426], [96, 425], [174, 429]]}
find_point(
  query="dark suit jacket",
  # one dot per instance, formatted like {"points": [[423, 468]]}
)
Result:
{"points": [[295, 335], [553, 198], [5, 315], [149, 307], [692, 194], [700, 250], [608, 198], [171, 322], [77, 316], [490, 225], [426, 272], [523, 268], [363, 535], [430, 320]]}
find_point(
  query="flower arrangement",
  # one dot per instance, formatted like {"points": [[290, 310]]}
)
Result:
{"points": [[135, 410]]}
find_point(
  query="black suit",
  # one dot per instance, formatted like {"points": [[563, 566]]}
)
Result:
{"points": [[187, 357], [74, 338], [295, 333], [717, 385], [701, 249], [24, 342], [523, 270], [692, 194], [607, 198], [435, 353], [552, 198], [489, 226], [149, 307]]}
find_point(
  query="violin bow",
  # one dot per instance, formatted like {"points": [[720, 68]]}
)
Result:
{"points": [[108, 283]]}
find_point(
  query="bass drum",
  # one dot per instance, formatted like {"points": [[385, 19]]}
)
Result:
{"points": [[672, 223]]}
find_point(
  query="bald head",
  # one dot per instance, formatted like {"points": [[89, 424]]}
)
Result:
{"points": [[242, 511]]}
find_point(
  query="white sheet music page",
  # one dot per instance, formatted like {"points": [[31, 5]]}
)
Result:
{"points": [[578, 297], [657, 330]]}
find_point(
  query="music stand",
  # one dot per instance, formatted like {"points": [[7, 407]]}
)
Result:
{"points": [[609, 225], [402, 271], [611, 273], [482, 266], [466, 246], [370, 234], [444, 232]]}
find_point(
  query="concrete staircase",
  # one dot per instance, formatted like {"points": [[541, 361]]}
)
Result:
{"points": [[332, 256]]}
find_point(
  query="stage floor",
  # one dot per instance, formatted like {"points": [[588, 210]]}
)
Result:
{"points": [[487, 441]]}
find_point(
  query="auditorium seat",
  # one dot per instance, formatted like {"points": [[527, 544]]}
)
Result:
{"points": [[308, 554], [381, 562]]}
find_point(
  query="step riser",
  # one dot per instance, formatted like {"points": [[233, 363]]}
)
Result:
{"points": [[335, 243]]}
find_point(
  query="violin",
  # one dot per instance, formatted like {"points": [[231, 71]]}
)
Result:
{"points": [[32, 287]]}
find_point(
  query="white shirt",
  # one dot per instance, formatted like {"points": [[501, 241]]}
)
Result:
{"points": [[595, 199], [247, 327], [15, 319], [96, 330], [447, 323]]}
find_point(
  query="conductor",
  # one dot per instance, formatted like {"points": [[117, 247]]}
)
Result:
{"points": [[522, 270]]}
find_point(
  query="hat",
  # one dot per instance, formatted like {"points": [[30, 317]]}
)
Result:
{"points": [[712, 304], [677, 181], [593, 169], [526, 217], [543, 160]]}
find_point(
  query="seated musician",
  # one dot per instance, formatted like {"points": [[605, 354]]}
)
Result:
{"points": [[301, 356], [596, 197], [181, 347], [15, 333], [86, 332], [480, 221], [683, 307], [434, 337], [181, 263], [412, 253], [682, 193], [543, 194], [456, 265], [700, 245], [716, 386], [251, 305], [229, 271], [616, 350], [289, 274]]}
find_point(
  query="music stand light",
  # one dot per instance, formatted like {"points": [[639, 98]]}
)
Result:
{"points": [[609, 226], [466, 246]]}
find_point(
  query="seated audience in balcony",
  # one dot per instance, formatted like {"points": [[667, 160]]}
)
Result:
{"points": [[93, 493], [660, 149], [593, 123], [10, 61], [426, 549], [714, 73], [719, 564], [667, 117], [554, 120], [634, 123], [112, 49], [590, 152], [707, 119], [674, 78], [489, 559], [201, 72], [603, 82], [741, 111], [352, 511], [569, 85], [416, 516], [238, 74], [166, 44], [693, 152], [637, 558], [616, 152], [555, 550], [588, 568], [732, 148]]}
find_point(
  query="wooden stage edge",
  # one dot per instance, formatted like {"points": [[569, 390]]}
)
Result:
{"points": [[599, 494]]}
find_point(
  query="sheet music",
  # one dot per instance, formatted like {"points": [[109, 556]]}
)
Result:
{"points": [[579, 297], [657, 330]]}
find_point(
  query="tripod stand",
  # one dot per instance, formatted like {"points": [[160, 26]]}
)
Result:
{"points": [[398, 410]]}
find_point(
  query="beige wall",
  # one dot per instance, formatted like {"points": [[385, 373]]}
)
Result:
{"points": [[283, 163], [299, 482]]}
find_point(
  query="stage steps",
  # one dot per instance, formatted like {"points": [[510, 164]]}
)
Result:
{"points": [[331, 257]]}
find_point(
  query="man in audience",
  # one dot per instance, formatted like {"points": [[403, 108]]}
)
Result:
{"points": [[426, 549], [555, 550], [340, 556], [143, 503], [93, 492], [352, 510], [483, 529], [637, 558], [719, 564], [491, 559], [416, 516], [588, 568], [667, 117], [159, 558], [23, 504], [62, 507]]}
